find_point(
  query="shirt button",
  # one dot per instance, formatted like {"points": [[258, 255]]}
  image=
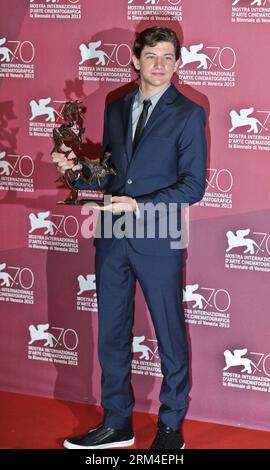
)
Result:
{"points": [[129, 181]]}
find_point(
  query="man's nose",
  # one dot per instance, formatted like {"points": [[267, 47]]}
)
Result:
{"points": [[159, 62]]}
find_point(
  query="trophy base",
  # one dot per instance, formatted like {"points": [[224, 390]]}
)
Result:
{"points": [[81, 202]]}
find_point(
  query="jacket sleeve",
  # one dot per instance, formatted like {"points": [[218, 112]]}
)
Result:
{"points": [[192, 149], [80, 184]]}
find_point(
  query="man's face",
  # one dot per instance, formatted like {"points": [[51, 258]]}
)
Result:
{"points": [[157, 65]]}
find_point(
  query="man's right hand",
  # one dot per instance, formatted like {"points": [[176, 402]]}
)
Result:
{"points": [[64, 163]]}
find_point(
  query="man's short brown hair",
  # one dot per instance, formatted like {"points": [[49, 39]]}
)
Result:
{"points": [[151, 36]]}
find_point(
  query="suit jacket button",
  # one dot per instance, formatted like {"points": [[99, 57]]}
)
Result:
{"points": [[129, 181]]}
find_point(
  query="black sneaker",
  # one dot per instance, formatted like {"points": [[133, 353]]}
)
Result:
{"points": [[101, 438], [167, 438]]}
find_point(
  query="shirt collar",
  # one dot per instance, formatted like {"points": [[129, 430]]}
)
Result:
{"points": [[154, 98]]}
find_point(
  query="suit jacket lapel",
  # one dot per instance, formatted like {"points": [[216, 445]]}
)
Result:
{"points": [[159, 113], [127, 121]]}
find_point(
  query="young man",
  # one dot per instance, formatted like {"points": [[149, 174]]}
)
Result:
{"points": [[157, 142]]}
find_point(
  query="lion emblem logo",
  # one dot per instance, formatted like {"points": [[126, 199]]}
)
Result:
{"points": [[190, 295], [39, 332], [236, 358], [254, 2], [91, 51], [40, 108], [86, 283], [243, 119], [47, 1], [238, 240], [192, 55], [5, 51], [139, 347], [39, 221], [5, 167], [5, 278], [152, 2]]}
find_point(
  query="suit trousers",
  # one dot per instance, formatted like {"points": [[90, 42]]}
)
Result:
{"points": [[160, 278]]}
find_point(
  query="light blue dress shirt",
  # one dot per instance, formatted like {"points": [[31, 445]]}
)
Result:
{"points": [[138, 106]]}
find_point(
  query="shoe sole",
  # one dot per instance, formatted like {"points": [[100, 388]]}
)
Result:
{"points": [[183, 446], [69, 445]]}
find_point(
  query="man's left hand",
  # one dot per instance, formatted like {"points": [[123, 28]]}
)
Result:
{"points": [[120, 204]]}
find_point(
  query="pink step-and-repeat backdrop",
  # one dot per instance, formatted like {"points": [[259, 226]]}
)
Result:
{"points": [[56, 50]]}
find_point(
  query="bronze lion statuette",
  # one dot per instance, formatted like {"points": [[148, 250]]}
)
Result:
{"points": [[70, 133]]}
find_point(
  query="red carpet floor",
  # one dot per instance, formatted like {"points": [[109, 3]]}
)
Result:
{"points": [[29, 422]]}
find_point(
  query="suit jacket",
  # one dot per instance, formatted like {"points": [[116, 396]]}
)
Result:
{"points": [[168, 166]]}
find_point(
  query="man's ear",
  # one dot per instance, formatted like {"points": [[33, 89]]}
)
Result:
{"points": [[136, 62], [176, 65]]}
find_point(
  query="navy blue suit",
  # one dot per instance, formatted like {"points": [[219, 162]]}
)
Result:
{"points": [[168, 166]]}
